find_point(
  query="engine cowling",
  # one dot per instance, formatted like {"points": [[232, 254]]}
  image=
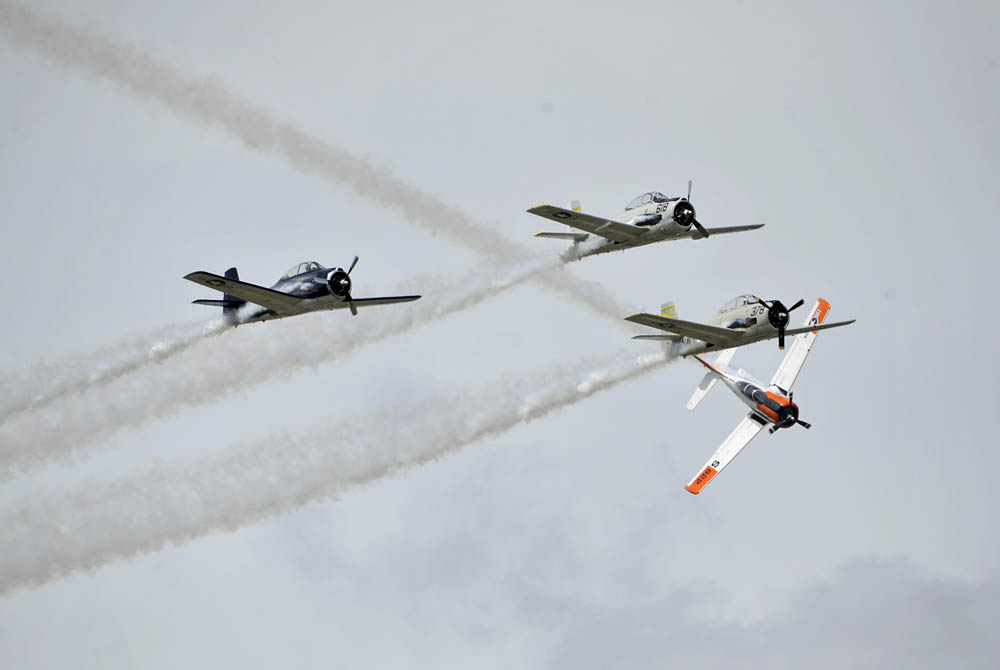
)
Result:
{"points": [[684, 213], [338, 283]]}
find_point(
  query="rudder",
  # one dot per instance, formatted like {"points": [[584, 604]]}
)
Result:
{"points": [[230, 311]]}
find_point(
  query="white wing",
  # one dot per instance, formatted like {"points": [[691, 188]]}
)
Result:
{"points": [[786, 373], [595, 225], [739, 438]]}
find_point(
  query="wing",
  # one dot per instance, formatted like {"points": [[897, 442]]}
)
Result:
{"points": [[739, 438], [612, 230], [790, 366], [370, 302], [282, 304], [719, 337], [695, 234]]}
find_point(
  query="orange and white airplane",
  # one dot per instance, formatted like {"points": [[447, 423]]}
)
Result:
{"points": [[770, 405]]}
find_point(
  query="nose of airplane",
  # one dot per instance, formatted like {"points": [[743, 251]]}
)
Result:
{"points": [[684, 213]]}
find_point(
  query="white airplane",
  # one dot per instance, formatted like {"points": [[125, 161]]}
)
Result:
{"points": [[651, 217], [769, 405], [743, 320]]}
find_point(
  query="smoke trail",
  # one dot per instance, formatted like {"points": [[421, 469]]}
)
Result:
{"points": [[207, 374], [208, 102], [104, 523], [46, 383]]}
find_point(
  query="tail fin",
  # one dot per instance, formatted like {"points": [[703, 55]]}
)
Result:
{"points": [[668, 310], [229, 311], [708, 381]]}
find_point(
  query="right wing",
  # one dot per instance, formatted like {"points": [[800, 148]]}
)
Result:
{"points": [[739, 438], [695, 234], [282, 304], [595, 225], [723, 338], [370, 302], [790, 366]]}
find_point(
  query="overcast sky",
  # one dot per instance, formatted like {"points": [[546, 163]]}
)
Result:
{"points": [[865, 138]]}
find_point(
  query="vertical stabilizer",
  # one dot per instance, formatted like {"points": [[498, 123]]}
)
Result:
{"points": [[230, 311]]}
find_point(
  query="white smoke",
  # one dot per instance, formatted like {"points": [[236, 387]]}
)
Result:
{"points": [[209, 103], [46, 383], [205, 374], [102, 523]]}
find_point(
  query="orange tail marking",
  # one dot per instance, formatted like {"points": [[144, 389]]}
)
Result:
{"points": [[820, 314], [703, 478]]}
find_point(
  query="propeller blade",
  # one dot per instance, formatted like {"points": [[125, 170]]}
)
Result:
{"points": [[797, 305], [701, 228], [350, 303], [353, 263], [781, 338], [803, 423], [689, 192]]}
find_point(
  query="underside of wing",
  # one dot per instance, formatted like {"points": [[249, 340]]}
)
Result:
{"points": [[595, 225], [281, 304], [713, 335], [695, 234], [371, 302], [739, 438]]}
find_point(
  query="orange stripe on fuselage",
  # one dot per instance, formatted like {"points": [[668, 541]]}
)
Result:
{"points": [[778, 398], [703, 478]]}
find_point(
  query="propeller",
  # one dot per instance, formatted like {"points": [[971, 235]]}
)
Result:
{"points": [[777, 316], [694, 221], [350, 300], [339, 283]]}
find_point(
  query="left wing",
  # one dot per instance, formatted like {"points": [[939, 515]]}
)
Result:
{"points": [[595, 225], [714, 335], [739, 438], [370, 302], [282, 304]]}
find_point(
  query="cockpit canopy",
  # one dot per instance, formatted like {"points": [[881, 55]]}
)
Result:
{"points": [[646, 198], [740, 301], [302, 268]]}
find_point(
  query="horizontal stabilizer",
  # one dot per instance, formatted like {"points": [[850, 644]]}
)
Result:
{"points": [[573, 237], [718, 365], [707, 382], [220, 303], [661, 338]]}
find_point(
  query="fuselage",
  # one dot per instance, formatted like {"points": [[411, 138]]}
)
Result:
{"points": [[743, 313], [321, 286], [662, 217], [768, 404]]}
